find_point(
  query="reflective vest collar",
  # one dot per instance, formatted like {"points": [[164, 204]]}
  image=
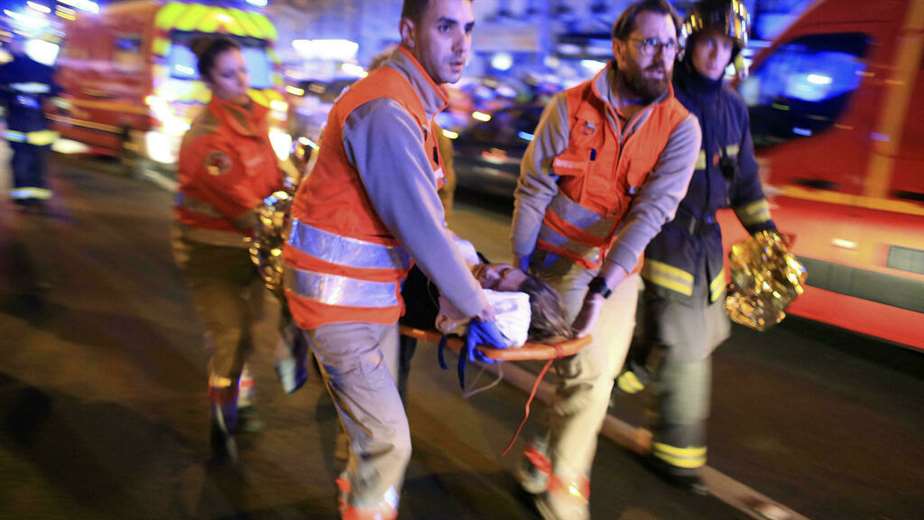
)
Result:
{"points": [[249, 121], [432, 96]]}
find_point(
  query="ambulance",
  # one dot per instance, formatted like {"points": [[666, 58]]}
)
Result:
{"points": [[837, 115], [131, 81]]}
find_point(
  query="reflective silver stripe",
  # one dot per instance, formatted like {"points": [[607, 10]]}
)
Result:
{"points": [[15, 136], [345, 251], [332, 289], [550, 236], [581, 217], [196, 206], [30, 193], [31, 88]]}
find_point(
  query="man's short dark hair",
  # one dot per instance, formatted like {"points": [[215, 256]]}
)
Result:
{"points": [[414, 9], [626, 22]]}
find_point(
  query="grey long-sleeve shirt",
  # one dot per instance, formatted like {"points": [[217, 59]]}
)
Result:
{"points": [[385, 145], [655, 204]]}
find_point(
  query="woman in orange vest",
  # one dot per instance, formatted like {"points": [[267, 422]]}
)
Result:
{"points": [[226, 167]]}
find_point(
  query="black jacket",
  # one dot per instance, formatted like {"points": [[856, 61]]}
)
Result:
{"points": [[726, 175], [25, 85]]}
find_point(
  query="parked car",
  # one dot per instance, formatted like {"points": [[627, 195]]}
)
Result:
{"points": [[310, 102], [488, 154]]}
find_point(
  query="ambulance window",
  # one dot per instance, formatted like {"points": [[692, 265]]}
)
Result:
{"points": [[804, 86], [259, 66], [127, 55], [182, 61]]}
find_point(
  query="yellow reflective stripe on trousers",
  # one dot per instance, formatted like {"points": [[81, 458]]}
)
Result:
{"points": [[688, 458], [346, 251], [38, 137], [756, 212], [732, 150], [717, 287], [30, 193], [332, 289], [668, 276]]}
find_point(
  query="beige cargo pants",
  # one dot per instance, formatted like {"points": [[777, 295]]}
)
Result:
{"points": [[586, 380], [240, 315], [359, 362]]}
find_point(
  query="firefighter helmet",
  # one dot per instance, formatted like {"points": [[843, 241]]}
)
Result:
{"points": [[728, 17]]}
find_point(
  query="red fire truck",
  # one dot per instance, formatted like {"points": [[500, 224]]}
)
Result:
{"points": [[837, 115], [131, 78]]}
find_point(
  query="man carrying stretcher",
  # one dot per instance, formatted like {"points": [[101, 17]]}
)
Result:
{"points": [[368, 210]]}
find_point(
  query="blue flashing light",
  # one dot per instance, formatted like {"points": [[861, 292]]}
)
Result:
{"points": [[526, 136]]}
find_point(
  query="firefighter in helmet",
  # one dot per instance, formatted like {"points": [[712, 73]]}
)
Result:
{"points": [[683, 311]]}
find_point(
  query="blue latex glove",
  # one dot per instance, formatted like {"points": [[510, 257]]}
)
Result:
{"points": [[478, 333], [523, 263]]}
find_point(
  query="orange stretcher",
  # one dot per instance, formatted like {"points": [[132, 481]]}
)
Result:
{"points": [[528, 352]]}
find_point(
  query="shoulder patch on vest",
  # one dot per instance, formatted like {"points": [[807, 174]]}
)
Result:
{"points": [[217, 163]]}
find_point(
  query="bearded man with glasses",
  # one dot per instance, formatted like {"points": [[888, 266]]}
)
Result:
{"points": [[610, 162]]}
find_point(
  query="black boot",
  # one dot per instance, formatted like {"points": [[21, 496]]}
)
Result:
{"points": [[683, 478]]}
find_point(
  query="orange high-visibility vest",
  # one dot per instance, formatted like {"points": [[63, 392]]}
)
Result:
{"points": [[343, 264], [597, 178]]}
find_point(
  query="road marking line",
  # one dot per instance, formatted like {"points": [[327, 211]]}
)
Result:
{"points": [[728, 490], [161, 180]]}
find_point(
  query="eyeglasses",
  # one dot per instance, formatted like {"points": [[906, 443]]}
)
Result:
{"points": [[650, 46]]}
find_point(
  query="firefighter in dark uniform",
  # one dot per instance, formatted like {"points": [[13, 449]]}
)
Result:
{"points": [[25, 86], [682, 311]]}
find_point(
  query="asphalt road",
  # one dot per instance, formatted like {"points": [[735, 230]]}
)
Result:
{"points": [[103, 411]]}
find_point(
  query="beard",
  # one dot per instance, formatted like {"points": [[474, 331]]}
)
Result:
{"points": [[646, 89]]}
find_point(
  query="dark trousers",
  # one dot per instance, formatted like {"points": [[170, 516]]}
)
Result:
{"points": [[30, 162]]}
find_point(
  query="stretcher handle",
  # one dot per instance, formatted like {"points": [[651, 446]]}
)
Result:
{"points": [[528, 352]]}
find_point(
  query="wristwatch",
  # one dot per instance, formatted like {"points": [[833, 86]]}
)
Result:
{"points": [[598, 286]]}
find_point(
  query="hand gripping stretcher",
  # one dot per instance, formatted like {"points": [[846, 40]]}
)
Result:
{"points": [[528, 352]]}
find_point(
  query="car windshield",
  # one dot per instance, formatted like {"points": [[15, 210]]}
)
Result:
{"points": [[182, 61]]}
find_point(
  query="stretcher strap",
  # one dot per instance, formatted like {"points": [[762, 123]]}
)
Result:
{"points": [[532, 395], [441, 352]]}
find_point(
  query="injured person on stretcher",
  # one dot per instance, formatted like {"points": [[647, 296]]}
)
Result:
{"points": [[525, 307]]}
